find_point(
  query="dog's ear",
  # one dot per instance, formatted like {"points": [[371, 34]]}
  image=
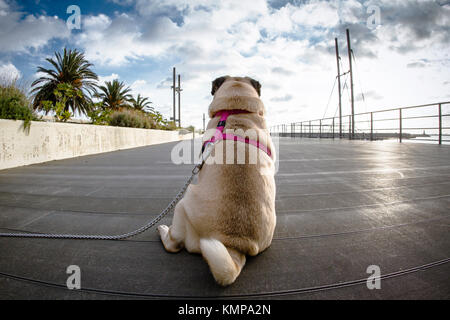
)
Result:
{"points": [[216, 84], [256, 85]]}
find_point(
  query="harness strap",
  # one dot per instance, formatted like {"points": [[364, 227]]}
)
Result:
{"points": [[219, 135]]}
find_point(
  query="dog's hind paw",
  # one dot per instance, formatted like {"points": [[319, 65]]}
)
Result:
{"points": [[163, 230]]}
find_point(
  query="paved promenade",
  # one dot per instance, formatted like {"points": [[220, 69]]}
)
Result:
{"points": [[342, 206]]}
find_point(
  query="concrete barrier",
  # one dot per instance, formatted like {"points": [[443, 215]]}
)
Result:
{"points": [[47, 141]]}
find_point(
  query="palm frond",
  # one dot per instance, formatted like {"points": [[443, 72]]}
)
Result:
{"points": [[72, 68], [115, 95]]}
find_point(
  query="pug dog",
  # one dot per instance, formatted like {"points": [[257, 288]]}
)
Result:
{"points": [[230, 212]]}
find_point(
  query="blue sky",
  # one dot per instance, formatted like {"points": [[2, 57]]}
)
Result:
{"points": [[401, 47]]}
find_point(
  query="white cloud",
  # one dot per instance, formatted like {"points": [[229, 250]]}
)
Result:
{"points": [[96, 23], [19, 32], [138, 85], [117, 41], [316, 14], [277, 22], [103, 79], [287, 45], [8, 71], [126, 38], [285, 98], [290, 50]]}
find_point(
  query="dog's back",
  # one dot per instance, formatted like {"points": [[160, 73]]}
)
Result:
{"points": [[230, 212], [240, 210]]}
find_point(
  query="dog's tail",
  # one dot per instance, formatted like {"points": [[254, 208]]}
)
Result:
{"points": [[225, 263]]}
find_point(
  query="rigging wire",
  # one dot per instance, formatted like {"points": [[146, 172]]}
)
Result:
{"points": [[359, 81], [346, 74], [360, 86], [329, 99]]}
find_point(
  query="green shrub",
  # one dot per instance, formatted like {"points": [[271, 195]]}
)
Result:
{"points": [[14, 104], [63, 93], [132, 119], [98, 115], [168, 125]]}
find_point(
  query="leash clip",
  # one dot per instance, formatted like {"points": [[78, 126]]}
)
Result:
{"points": [[197, 169], [208, 148]]}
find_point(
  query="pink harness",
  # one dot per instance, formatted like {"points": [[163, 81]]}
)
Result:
{"points": [[219, 135]]}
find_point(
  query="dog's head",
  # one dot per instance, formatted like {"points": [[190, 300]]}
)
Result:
{"points": [[236, 82], [236, 93]]}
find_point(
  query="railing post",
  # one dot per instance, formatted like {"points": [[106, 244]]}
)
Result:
{"points": [[333, 128], [371, 126], [440, 124], [301, 129], [401, 128], [320, 129], [310, 129], [350, 127]]}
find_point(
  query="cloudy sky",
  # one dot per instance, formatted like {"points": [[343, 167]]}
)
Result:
{"points": [[402, 49]]}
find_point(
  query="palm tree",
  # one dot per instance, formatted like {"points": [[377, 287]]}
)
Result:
{"points": [[143, 104], [69, 68], [114, 95]]}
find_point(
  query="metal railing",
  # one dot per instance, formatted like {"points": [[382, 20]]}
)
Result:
{"points": [[426, 123]]}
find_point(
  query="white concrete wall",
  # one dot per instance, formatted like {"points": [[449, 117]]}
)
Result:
{"points": [[47, 141]]}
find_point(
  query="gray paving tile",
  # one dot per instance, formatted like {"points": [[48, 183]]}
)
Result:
{"points": [[341, 206]]}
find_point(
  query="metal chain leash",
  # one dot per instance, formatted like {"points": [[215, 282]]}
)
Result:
{"points": [[144, 228]]}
